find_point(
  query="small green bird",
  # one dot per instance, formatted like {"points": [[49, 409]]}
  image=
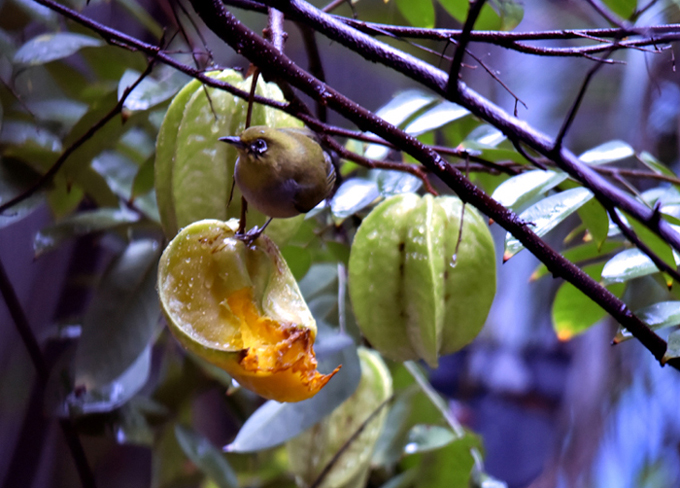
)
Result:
{"points": [[282, 172]]}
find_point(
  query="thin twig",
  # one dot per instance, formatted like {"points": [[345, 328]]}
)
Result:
{"points": [[336, 457], [461, 48], [30, 342], [632, 237], [577, 103], [54, 169]]}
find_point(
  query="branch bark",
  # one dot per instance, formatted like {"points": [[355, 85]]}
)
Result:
{"points": [[276, 65]]}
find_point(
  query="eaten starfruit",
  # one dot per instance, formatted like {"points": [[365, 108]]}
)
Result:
{"points": [[417, 291], [364, 414], [239, 308], [194, 171]]}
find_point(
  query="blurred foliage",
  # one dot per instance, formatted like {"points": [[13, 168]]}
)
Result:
{"points": [[123, 378]]}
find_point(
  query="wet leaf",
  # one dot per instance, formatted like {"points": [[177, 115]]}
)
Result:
{"points": [[573, 312], [142, 16], [523, 189], [657, 316], [596, 220], [580, 253], [122, 318], [547, 214], [50, 47], [626, 265], [418, 14], [622, 8], [149, 92], [673, 350], [206, 457], [655, 165], [424, 438], [484, 136], [14, 179], [111, 395], [81, 224], [353, 195], [436, 117], [396, 112], [392, 182], [274, 423], [607, 153]]}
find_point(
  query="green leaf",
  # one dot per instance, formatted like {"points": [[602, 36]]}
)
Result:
{"points": [[50, 47], [580, 253], [484, 136], [392, 182], [596, 220], [396, 112], [321, 278], [607, 153], [111, 395], [353, 195], [627, 265], [523, 189], [61, 111], [122, 318], [657, 245], [436, 117], [547, 214], [390, 445], [673, 350], [120, 173], [206, 457], [298, 259], [142, 16], [424, 438], [418, 14], [495, 15], [655, 165], [403, 480], [274, 423], [149, 92], [14, 179], [144, 179], [81, 224], [450, 466], [573, 312], [622, 8], [658, 316], [339, 251], [64, 197]]}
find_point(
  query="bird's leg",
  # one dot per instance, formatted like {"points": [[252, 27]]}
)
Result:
{"points": [[249, 237], [242, 220]]}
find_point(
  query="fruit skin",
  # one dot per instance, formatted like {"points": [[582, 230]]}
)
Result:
{"points": [[240, 309], [411, 299], [310, 452], [194, 170]]}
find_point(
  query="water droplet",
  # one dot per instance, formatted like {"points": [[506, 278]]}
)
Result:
{"points": [[454, 261], [410, 448]]}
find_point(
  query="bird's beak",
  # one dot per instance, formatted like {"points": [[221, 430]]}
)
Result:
{"points": [[234, 141]]}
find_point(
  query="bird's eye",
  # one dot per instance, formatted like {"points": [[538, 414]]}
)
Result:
{"points": [[259, 146]]}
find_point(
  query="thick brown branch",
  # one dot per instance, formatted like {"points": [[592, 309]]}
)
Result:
{"points": [[245, 41]]}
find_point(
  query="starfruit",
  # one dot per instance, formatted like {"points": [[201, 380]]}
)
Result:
{"points": [[417, 292], [310, 452], [239, 308], [194, 171]]}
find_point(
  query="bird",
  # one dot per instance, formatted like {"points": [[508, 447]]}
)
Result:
{"points": [[282, 172]]}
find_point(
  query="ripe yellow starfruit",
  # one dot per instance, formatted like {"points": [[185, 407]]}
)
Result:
{"points": [[239, 308]]}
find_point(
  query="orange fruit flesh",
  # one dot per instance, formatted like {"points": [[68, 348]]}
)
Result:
{"points": [[277, 360]]}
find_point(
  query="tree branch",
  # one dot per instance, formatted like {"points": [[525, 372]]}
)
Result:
{"points": [[248, 43]]}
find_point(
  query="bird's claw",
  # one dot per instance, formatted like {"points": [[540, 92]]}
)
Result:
{"points": [[251, 236]]}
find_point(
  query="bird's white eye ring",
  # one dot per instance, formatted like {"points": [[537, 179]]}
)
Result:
{"points": [[259, 146]]}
